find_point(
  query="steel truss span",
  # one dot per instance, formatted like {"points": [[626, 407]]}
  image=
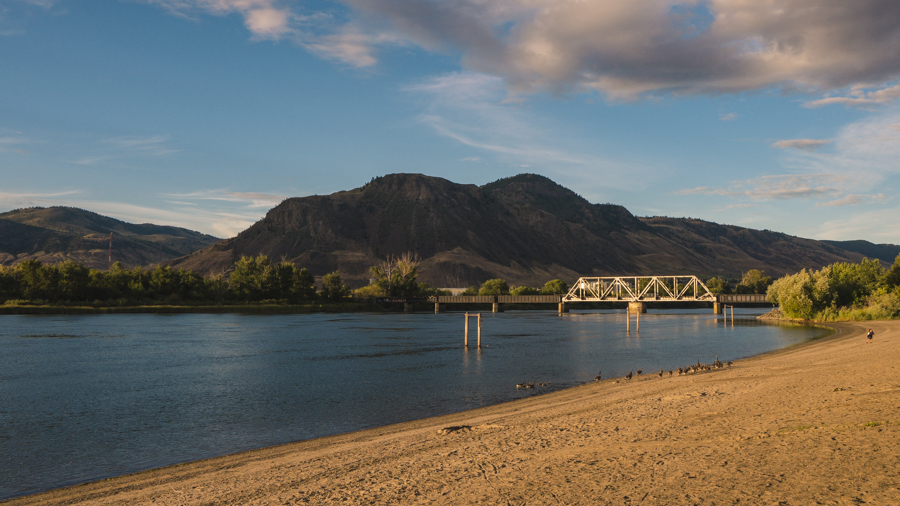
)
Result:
{"points": [[639, 288]]}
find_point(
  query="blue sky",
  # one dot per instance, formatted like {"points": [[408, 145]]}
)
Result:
{"points": [[777, 115]]}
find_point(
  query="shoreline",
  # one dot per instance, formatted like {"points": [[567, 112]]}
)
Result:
{"points": [[487, 454]]}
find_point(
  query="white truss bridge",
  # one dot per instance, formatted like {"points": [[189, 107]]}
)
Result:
{"points": [[639, 289]]}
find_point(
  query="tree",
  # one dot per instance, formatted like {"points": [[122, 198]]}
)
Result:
{"points": [[524, 290], [494, 287], [332, 288], [36, 280], [253, 278], [754, 281], [555, 287], [472, 290], [304, 285], [396, 276], [74, 280], [718, 285], [892, 278]]}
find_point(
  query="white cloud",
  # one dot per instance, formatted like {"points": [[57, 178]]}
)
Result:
{"points": [[728, 117], [803, 144]]}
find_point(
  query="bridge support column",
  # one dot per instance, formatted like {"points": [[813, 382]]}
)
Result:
{"points": [[407, 307], [438, 308], [498, 307], [717, 307], [563, 308], [637, 307]]}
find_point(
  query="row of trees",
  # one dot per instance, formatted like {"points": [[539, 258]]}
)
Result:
{"points": [[841, 291], [753, 281], [501, 287], [253, 279]]}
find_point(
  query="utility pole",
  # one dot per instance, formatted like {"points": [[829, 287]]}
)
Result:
{"points": [[109, 266]]}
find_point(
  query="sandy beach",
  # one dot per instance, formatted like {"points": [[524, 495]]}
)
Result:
{"points": [[817, 423]]}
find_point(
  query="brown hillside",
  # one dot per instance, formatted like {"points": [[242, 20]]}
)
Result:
{"points": [[525, 229], [56, 234]]}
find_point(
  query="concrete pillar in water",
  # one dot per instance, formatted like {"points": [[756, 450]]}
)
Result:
{"points": [[479, 331], [637, 307], [466, 342], [438, 308], [717, 308], [563, 308], [498, 307]]}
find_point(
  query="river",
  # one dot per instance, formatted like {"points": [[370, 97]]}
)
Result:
{"points": [[94, 396]]}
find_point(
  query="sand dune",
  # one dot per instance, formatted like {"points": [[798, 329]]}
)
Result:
{"points": [[817, 423]]}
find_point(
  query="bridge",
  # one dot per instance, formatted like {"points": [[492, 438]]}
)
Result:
{"points": [[634, 290]]}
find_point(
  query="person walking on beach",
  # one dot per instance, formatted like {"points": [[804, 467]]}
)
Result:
{"points": [[870, 336]]}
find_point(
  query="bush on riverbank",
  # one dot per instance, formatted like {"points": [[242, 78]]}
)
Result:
{"points": [[841, 291]]}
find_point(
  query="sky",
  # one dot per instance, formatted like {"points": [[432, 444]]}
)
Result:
{"points": [[770, 114]]}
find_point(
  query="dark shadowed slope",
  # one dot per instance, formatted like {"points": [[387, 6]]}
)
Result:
{"points": [[885, 252], [56, 234], [525, 229]]}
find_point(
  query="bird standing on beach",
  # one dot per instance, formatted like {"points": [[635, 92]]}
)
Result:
{"points": [[598, 376], [660, 373], [629, 375], [640, 371]]}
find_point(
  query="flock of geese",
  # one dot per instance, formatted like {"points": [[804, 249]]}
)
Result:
{"points": [[691, 369], [528, 386]]}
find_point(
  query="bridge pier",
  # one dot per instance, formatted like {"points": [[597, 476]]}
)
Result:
{"points": [[438, 308], [407, 307], [717, 307], [563, 308], [637, 307], [497, 307]]}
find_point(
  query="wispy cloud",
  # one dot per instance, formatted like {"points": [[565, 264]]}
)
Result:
{"points": [[728, 117], [803, 144], [13, 145], [249, 199], [473, 109], [878, 225], [265, 19], [30, 199], [860, 98], [153, 145], [852, 200], [778, 187]]}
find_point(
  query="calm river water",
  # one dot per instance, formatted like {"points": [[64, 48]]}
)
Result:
{"points": [[89, 397]]}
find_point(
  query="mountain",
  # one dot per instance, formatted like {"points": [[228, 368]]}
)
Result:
{"points": [[525, 229], [885, 252], [55, 234]]}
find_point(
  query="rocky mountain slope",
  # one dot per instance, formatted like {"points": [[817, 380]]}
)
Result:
{"points": [[55, 234], [525, 229]]}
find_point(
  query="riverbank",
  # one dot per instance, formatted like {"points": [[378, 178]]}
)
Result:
{"points": [[817, 422], [331, 307]]}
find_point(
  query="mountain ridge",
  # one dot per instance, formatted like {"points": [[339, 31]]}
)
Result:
{"points": [[526, 229]]}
